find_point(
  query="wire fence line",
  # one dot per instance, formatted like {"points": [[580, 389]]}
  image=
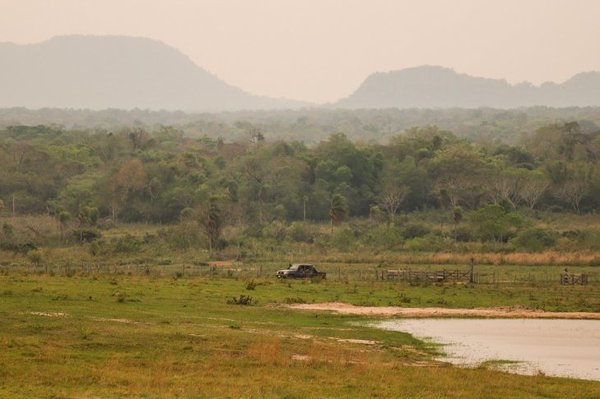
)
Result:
{"points": [[430, 274]]}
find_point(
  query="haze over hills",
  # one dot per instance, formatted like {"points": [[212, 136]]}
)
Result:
{"points": [[438, 87], [98, 72]]}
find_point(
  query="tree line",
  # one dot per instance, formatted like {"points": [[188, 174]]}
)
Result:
{"points": [[165, 176]]}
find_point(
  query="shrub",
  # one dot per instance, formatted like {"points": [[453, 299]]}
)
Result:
{"points": [[83, 235], [23, 248], [492, 223], [534, 239], [301, 232], [241, 300], [342, 239], [387, 237], [126, 244], [179, 237], [584, 239], [291, 300], [95, 248], [254, 230], [565, 244], [429, 243], [404, 298], [414, 230], [8, 230], [35, 257], [221, 244], [275, 230], [462, 234], [592, 240]]}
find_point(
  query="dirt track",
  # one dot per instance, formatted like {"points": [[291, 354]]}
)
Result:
{"points": [[345, 308]]}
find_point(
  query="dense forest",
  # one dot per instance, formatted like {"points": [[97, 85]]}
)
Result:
{"points": [[312, 125], [163, 176]]}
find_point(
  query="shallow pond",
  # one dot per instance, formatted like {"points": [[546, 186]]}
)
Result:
{"points": [[567, 348]]}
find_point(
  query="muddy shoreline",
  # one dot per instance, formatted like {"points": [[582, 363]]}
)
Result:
{"points": [[396, 311]]}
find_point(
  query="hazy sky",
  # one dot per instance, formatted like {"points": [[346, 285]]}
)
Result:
{"points": [[320, 50]]}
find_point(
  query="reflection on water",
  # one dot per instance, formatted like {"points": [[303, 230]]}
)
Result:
{"points": [[567, 348]]}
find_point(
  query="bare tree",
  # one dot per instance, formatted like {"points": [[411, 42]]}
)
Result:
{"points": [[391, 199], [505, 187], [572, 191], [532, 188]]}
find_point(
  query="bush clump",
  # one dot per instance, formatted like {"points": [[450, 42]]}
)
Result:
{"points": [[241, 300], [534, 239], [342, 239], [414, 230], [126, 244], [85, 235], [387, 237], [290, 300], [301, 232]]}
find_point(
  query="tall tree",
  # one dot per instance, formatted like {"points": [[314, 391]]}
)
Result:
{"points": [[460, 173], [338, 209], [131, 177], [211, 220]]}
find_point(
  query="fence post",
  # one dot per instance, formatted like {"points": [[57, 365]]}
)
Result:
{"points": [[471, 279]]}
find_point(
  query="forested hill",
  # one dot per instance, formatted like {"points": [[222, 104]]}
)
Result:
{"points": [[438, 87], [314, 125], [98, 72]]}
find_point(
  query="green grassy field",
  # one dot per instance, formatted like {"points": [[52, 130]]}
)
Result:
{"points": [[113, 336]]}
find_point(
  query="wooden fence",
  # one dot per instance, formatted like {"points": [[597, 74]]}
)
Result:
{"points": [[431, 276], [567, 278]]}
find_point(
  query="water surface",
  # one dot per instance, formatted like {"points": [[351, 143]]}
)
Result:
{"points": [[566, 348]]}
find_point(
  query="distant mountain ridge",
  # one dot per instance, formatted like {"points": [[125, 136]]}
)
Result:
{"points": [[439, 87], [121, 72], [99, 72]]}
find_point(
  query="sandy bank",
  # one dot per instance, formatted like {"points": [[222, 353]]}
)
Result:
{"points": [[507, 312]]}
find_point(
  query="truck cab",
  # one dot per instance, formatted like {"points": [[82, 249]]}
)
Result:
{"points": [[300, 270]]}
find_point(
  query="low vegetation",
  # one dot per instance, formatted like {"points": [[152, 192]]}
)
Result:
{"points": [[118, 335]]}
